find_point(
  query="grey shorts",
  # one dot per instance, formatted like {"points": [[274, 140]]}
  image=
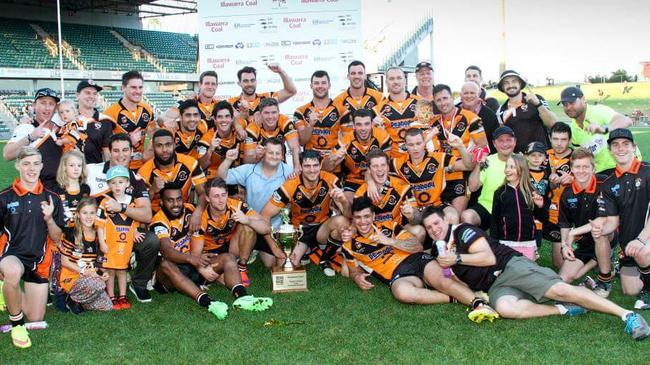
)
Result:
{"points": [[523, 279]]}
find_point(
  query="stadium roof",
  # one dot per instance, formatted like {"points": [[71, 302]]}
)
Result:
{"points": [[145, 8]]}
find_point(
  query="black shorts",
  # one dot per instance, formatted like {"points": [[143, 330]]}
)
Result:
{"points": [[262, 246], [454, 189], [483, 214], [551, 232], [309, 233], [413, 265], [36, 273], [190, 272], [586, 248], [351, 186], [219, 250]]}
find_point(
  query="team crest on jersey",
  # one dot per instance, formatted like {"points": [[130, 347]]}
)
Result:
{"points": [[406, 170], [358, 245], [13, 206], [387, 110], [431, 168], [333, 117], [412, 107], [524, 108], [160, 230], [182, 176], [461, 126], [145, 117], [298, 195], [392, 200], [637, 183], [323, 191], [573, 202], [616, 189], [97, 126]]}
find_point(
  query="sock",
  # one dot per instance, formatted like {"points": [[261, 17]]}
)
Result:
{"points": [[645, 278], [605, 277], [476, 302], [17, 320], [204, 300], [242, 265], [238, 291], [624, 316], [330, 249], [452, 300], [562, 308]]}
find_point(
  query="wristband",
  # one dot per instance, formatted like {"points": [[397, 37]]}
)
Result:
{"points": [[459, 260], [124, 206], [640, 240], [538, 105]]}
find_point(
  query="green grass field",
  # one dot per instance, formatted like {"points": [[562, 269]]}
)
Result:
{"points": [[333, 323]]}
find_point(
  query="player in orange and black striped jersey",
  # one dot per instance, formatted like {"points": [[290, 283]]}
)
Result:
{"points": [[230, 225], [184, 266], [395, 202], [216, 142], [190, 129], [465, 124], [318, 122], [396, 112], [395, 258], [167, 166], [559, 162], [133, 116], [248, 101], [352, 148], [273, 125], [426, 172], [357, 96], [311, 197], [539, 178]]}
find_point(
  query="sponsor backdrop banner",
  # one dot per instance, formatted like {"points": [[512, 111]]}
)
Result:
{"points": [[301, 35]]}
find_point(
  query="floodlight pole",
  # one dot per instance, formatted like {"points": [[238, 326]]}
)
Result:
{"points": [[502, 64], [58, 22]]}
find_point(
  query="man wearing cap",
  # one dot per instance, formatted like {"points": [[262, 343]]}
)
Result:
{"points": [[41, 134], [625, 203], [489, 175], [591, 124], [424, 77], [526, 113], [474, 74], [98, 126]]}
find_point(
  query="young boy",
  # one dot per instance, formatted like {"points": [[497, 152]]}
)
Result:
{"points": [[539, 177], [117, 232]]}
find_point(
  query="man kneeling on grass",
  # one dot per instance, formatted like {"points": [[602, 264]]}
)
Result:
{"points": [[517, 286], [394, 256], [185, 268]]}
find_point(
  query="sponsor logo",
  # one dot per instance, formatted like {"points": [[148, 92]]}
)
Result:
{"points": [[239, 45], [237, 4], [285, 43], [267, 24], [296, 59], [294, 23], [301, 43], [216, 27], [243, 25], [316, 42]]}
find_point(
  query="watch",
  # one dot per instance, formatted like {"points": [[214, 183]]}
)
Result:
{"points": [[459, 260], [124, 206]]}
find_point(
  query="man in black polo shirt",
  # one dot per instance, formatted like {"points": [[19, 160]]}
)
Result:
{"points": [[41, 134], [526, 113], [146, 252], [517, 287], [578, 207], [29, 214], [98, 126], [626, 204]]}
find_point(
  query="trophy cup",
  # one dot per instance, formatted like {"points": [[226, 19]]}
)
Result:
{"points": [[288, 278]]}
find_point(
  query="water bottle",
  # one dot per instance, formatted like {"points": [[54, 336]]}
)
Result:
{"points": [[442, 249]]}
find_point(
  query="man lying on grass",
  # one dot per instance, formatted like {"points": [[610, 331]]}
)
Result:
{"points": [[394, 256], [517, 287]]}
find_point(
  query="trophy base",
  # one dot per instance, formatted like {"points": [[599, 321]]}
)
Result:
{"points": [[289, 281]]}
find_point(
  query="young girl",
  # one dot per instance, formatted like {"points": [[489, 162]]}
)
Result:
{"points": [[72, 135], [515, 206], [71, 177], [117, 232], [79, 260]]}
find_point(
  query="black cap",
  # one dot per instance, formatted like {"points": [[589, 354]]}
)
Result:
{"points": [[508, 73], [536, 147], [570, 94], [423, 64], [620, 133], [46, 91], [504, 129], [88, 83]]}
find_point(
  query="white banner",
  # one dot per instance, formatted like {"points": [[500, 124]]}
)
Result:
{"points": [[301, 35]]}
